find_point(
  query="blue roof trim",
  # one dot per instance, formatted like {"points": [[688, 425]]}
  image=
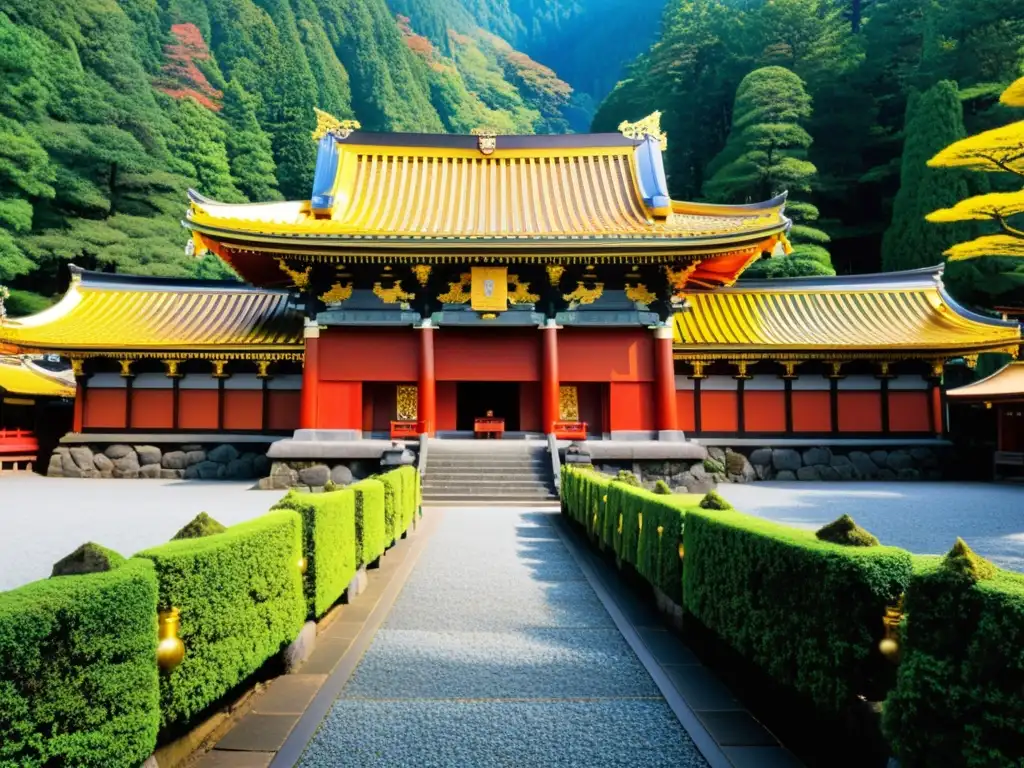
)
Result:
{"points": [[325, 174], [651, 175], [977, 317]]}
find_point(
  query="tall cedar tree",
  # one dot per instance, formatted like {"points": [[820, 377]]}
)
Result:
{"points": [[248, 146], [766, 154], [934, 121]]}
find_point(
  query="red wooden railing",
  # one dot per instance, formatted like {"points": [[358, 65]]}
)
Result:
{"points": [[18, 446], [571, 430]]}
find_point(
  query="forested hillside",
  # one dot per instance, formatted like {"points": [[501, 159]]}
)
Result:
{"points": [[890, 83], [111, 109]]}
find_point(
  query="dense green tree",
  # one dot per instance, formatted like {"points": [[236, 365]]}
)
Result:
{"points": [[934, 121], [248, 146], [766, 154]]}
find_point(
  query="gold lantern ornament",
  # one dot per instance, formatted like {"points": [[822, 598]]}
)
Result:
{"points": [[889, 644], [302, 565], [170, 650]]}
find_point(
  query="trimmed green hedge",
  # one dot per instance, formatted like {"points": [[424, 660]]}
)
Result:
{"points": [[329, 541], [78, 674], [805, 611], [658, 558], [240, 597], [401, 494], [959, 695], [371, 527]]}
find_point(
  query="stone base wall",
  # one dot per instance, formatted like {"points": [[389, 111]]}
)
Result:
{"points": [[313, 477], [168, 462], [726, 465]]}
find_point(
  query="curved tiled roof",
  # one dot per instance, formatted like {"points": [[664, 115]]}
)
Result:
{"points": [[1005, 384], [102, 311], [21, 377], [895, 311]]}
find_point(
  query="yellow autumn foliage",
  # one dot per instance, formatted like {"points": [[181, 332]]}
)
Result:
{"points": [[995, 205], [1000, 149], [989, 245], [1014, 95]]}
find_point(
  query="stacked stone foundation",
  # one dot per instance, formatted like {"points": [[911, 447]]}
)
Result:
{"points": [[190, 461]]}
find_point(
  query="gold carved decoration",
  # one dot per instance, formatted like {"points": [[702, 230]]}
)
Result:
{"points": [[698, 369], [457, 293], [172, 368], [741, 369], [790, 366], [971, 360], [218, 369], [407, 407], [883, 370], [640, 294], [584, 295], [489, 289], [422, 272], [889, 644], [489, 316], [555, 272], [678, 278], [486, 140], [938, 366], [835, 370], [264, 369], [641, 129], [299, 279], [328, 123], [126, 368], [568, 404], [77, 366], [169, 650], [393, 295], [521, 292], [337, 294]]}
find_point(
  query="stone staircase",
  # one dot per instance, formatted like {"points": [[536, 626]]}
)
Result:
{"points": [[481, 472]]}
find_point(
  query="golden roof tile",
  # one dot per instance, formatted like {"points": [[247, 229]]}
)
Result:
{"points": [[21, 377], [113, 312], [896, 312]]}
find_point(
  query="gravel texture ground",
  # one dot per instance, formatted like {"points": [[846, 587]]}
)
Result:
{"points": [[498, 653], [47, 518], [924, 518]]}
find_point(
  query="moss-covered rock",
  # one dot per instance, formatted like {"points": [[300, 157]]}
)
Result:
{"points": [[713, 500], [962, 560], [88, 558], [662, 487], [714, 466], [627, 477], [201, 525], [845, 531]]}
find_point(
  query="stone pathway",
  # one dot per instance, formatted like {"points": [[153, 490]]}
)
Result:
{"points": [[498, 652]]}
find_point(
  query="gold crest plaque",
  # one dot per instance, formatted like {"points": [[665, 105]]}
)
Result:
{"points": [[489, 289]]}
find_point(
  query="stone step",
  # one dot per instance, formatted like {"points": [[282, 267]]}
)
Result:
{"points": [[493, 477], [487, 488], [484, 461], [497, 502], [486, 500]]}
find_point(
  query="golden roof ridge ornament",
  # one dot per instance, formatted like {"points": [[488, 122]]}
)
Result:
{"points": [[328, 123], [648, 126], [486, 139]]}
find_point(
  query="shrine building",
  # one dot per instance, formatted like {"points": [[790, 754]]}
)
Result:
{"points": [[549, 282]]}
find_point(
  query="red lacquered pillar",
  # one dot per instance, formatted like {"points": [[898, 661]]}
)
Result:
{"points": [[426, 390], [938, 412], [310, 376], [664, 382], [79, 417], [549, 384]]}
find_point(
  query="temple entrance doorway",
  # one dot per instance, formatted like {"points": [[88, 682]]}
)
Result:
{"points": [[473, 399]]}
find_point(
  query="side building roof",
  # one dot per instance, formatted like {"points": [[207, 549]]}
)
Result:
{"points": [[900, 313], [21, 377], [103, 313], [1005, 384]]}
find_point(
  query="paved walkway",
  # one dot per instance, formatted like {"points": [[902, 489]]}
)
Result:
{"points": [[924, 518], [498, 652]]}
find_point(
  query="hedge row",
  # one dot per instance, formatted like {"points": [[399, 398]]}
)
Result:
{"points": [[79, 683], [959, 695], [78, 677], [809, 613]]}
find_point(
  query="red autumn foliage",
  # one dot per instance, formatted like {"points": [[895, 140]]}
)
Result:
{"points": [[181, 77]]}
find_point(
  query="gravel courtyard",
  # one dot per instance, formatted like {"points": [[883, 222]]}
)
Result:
{"points": [[47, 518], [924, 518]]}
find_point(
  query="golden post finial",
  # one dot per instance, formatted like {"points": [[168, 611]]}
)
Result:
{"points": [[328, 123], [641, 129]]}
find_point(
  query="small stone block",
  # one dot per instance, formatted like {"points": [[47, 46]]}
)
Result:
{"points": [[358, 584], [258, 733], [326, 656], [301, 648], [761, 757], [701, 689], [666, 647]]}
